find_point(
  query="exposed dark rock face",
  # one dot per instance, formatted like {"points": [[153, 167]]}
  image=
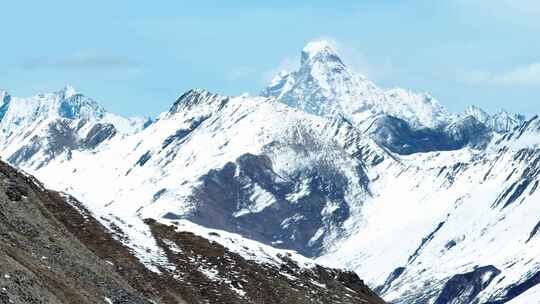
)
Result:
{"points": [[463, 288], [396, 273], [98, 134], [182, 133], [397, 135], [5, 100], [517, 289], [534, 232], [227, 196], [53, 251], [424, 242], [62, 137], [144, 158], [26, 152], [528, 180]]}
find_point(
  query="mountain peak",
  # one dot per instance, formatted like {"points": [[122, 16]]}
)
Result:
{"points": [[316, 47], [477, 113], [68, 91], [195, 97], [319, 50]]}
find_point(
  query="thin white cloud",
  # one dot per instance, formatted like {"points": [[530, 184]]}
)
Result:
{"points": [[82, 60], [528, 75], [287, 64]]}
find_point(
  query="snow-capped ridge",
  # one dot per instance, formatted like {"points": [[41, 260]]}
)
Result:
{"points": [[501, 122], [195, 98], [505, 121], [65, 103], [38, 129], [477, 113]]}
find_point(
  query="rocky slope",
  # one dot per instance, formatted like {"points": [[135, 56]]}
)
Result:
{"points": [[52, 250]]}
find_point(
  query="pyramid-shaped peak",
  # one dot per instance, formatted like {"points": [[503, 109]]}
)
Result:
{"points": [[319, 50]]}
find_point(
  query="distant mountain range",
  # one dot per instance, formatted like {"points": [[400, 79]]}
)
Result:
{"points": [[426, 205]]}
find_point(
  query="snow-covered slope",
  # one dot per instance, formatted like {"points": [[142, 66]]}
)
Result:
{"points": [[248, 165], [428, 206], [438, 215]]}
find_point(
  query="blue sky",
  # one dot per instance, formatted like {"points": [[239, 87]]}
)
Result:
{"points": [[136, 57]]}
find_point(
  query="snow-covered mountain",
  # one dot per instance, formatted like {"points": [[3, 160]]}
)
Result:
{"points": [[35, 130], [324, 85], [403, 121], [501, 122], [427, 206], [248, 165]]}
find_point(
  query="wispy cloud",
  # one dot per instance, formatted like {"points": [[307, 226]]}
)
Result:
{"points": [[82, 60], [287, 64], [528, 75]]}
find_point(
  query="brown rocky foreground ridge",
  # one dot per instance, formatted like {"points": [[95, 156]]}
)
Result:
{"points": [[52, 250]]}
